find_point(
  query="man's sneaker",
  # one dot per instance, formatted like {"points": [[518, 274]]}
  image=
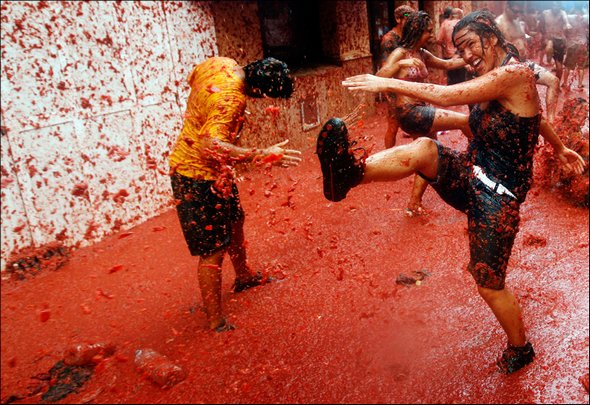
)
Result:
{"points": [[514, 358], [340, 168]]}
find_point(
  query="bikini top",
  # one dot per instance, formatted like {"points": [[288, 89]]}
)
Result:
{"points": [[414, 74]]}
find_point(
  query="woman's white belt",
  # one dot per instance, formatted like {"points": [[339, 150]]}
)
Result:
{"points": [[496, 187]]}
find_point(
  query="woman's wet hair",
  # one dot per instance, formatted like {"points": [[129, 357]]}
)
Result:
{"points": [[268, 77], [482, 23], [415, 26]]}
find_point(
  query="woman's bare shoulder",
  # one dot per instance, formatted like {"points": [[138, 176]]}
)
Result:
{"points": [[520, 91], [515, 72]]}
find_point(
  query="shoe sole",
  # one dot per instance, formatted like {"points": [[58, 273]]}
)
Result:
{"points": [[332, 139], [509, 367]]}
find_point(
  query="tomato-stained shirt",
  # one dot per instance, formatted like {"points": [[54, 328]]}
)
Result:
{"points": [[215, 108]]}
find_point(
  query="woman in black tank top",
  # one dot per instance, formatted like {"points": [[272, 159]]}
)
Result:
{"points": [[488, 182]]}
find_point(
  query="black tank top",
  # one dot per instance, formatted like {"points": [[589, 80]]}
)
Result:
{"points": [[503, 145]]}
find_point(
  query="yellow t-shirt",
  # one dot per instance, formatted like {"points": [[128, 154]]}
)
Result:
{"points": [[215, 108]]}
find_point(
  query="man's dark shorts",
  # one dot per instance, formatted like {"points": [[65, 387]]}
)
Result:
{"points": [[492, 218], [206, 218], [416, 119], [558, 49]]}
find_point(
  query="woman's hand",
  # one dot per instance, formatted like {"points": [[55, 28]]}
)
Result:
{"points": [[279, 156], [412, 62], [572, 161], [367, 82]]}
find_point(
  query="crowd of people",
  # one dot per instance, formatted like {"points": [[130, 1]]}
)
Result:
{"points": [[491, 68], [554, 37]]}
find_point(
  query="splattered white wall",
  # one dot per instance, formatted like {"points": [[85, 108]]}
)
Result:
{"points": [[92, 99]]}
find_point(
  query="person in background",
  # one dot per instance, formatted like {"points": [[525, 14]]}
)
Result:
{"points": [[509, 24], [389, 42], [489, 181], [445, 40], [446, 14], [576, 59], [535, 37], [202, 160], [553, 25], [391, 39]]}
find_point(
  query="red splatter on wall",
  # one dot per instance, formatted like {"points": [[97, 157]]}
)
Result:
{"points": [[79, 108]]}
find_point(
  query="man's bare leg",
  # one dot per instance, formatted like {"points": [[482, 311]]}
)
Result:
{"points": [[209, 274]]}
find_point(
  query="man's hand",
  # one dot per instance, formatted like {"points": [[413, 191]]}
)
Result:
{"points": [[572, 162], [279, 156]]}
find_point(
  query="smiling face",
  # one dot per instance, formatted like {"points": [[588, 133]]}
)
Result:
{"points": [[475, 51]]}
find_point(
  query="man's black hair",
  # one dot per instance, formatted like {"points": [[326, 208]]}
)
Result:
{"points": [[447, 12], [268, 77]]}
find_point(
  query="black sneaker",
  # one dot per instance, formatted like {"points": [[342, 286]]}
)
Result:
{"points": [[340, 168], [514, 358]]}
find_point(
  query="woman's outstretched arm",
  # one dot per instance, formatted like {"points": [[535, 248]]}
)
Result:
{"points": [[445, 64], [546, 78], [514, 83]]}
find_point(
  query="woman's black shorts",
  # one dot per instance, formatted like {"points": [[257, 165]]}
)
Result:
{"points": [[492, 218], [206, 218]]}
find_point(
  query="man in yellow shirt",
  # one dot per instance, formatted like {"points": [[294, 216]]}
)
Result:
{"points": [[201, 162]]}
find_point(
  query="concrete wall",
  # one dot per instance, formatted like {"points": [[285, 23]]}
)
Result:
{"points": [[348, 45], [93, 95], [238, 26]]}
